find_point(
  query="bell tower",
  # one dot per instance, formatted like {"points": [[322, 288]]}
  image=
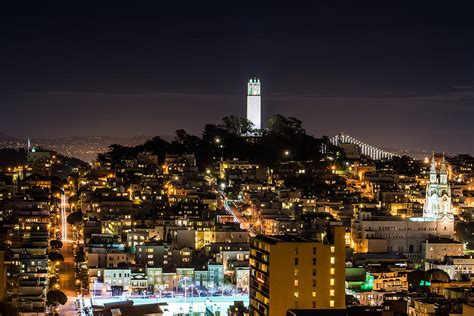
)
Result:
{"points": [[254, 103]]}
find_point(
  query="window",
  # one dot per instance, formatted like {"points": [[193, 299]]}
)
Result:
{"points": [[296, 272], [331, 292], [296, 294], [296, 250], [314, 250], [314, 304], [314, 261], [331, 303], [314, 272], [296, 282], [333, 260], [314, 282], [296, 261], [332, 271], [313, 294], [333, 249], [331, 282]]}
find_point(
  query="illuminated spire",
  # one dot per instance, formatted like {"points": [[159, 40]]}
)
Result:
{"points": [[433, 164], [443, 173], [443, 165], [433, 176]]}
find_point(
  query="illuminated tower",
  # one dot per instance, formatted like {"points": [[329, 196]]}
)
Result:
{"points": [[254, 103]]}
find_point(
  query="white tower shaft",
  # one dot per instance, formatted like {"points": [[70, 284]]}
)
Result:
{"points": [[254, 103]]}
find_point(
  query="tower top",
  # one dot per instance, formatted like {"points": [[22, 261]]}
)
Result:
{"points": [[253, 87]]}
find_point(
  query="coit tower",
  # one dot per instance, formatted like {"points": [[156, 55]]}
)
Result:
{"points": [[254, 103]]}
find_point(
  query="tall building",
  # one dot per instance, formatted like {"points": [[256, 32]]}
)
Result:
{"points": [[438, 194], [288, 272], [254, 103]]}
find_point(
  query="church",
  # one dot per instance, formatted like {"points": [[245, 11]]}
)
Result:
{"points": [[438, 205], [371, 233]]}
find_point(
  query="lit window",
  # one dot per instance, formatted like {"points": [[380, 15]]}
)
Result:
{"points": [[331, 282], [331, 292], [333, 260], [296, 294], [296, 282], [332, 271], [331, 303], [314, 294], [333, 249]]}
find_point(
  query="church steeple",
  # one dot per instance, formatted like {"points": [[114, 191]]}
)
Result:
{"points": [[443, 174], [433, 177]]}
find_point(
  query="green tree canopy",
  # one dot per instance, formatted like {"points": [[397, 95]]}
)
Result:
{"points": [[55, 243], [55, 257], [55, 297], [74, 218]]}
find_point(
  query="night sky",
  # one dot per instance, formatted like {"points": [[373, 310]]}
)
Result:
{"points": [[392, 76]]}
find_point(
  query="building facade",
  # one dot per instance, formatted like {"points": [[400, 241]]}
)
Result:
{"points": [[289, 271]]}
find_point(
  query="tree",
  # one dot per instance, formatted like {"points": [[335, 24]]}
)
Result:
{"points": [[55, 243], [80, 256], [74, 218], [188, 141], [55, 257], [285, 127], [56, 297], [237, 125]]}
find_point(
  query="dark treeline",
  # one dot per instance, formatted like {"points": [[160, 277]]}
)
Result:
{"points": [[284, 139]]}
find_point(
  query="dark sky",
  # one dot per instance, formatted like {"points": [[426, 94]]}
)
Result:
{"points": [[395, 76]]}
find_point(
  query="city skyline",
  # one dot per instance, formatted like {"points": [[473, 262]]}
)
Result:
{"points": [[387, 75], [237, 159]]}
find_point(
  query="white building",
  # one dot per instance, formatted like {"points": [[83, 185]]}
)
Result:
{"points": [[394, 234], [117, 277], [254, 103]]}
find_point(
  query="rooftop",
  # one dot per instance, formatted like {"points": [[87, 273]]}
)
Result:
{"points": [[442, 240]]}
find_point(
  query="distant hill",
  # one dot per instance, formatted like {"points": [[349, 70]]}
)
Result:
{"points": [[85, 148], [5, 137], [10, 157]]}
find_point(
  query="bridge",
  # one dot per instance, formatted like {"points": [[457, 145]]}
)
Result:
{"points": [[365, 149]]}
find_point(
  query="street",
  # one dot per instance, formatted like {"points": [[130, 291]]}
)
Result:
{"points": [[234, 210]]}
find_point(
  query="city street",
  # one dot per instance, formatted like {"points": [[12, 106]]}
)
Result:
{"points": [[234, 210], [67, 279]]}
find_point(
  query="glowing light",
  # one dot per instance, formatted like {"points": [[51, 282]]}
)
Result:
{"points": [[63, 217]]}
